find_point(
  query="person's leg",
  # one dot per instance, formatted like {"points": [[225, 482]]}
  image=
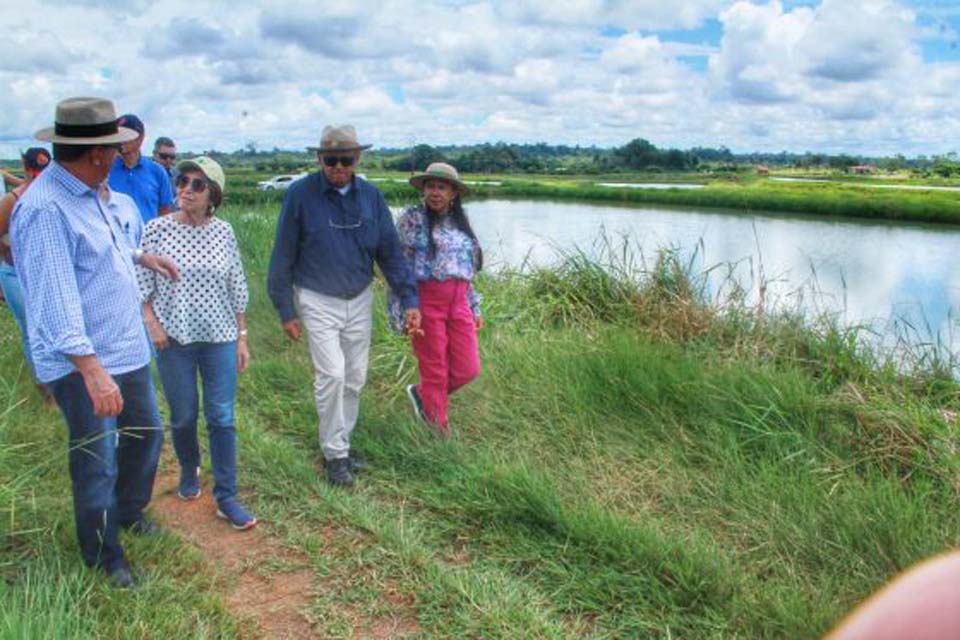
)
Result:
{"points": [[177, 365], [218, 373], [14, 296], [431, 351], [93, 474], [323, 319], [140, 441], [355, 343], [463, 354]]}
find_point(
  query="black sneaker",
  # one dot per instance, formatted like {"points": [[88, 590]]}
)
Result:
{"points": [[338, 472], [357, 463], [121, 578], [144, 527], [415, 400]]}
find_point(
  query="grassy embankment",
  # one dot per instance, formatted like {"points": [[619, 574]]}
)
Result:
{"points": [[749, 194], [631, 463]]}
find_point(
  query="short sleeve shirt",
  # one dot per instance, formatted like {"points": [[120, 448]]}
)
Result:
{"points": [[146, 182]]}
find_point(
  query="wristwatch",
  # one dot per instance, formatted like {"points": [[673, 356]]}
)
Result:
{"points": [[137, 255]]}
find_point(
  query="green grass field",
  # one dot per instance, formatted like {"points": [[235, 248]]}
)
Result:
{"points": [[847, 197], [631, 464]]}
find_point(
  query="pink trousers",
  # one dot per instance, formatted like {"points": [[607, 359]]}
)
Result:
{"points": [[447, 350]]}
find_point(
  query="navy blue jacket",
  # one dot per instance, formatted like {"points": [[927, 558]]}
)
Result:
{"points": [[327, 242]]}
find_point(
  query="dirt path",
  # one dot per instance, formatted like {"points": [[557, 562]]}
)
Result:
{"points": [[269, 587], [272, 599]]}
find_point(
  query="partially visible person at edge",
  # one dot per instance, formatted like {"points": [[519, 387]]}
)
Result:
{"points": [[139, 177], [333, 226], [86, 330], [35, 160], [198, 326], [444, 255], [10, 180]]}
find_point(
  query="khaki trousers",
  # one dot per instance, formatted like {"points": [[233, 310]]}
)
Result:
{"points": [[338, 332]]}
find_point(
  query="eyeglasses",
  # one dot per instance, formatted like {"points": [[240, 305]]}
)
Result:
{"points": [[346, 161], [167, 156], [198, 185]]}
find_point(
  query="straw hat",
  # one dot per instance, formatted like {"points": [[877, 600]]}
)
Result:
{"points": [[208, 167], [440, 171], [86, 121], [339, 139]]}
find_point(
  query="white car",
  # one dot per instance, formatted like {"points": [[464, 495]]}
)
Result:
{"points": [[279, 182]]}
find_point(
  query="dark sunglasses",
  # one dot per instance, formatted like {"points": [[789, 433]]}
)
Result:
{"points": [[346, 161], [198, 185], [167, 156]]}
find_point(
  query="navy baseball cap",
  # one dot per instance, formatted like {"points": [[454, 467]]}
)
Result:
{"points": [[130, 121]]}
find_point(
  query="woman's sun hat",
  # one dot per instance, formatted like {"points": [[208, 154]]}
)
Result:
{"points": [[208, 167], [440, 171]]}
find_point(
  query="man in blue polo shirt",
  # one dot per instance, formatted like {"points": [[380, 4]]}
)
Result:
{"points": [[141, 178]]}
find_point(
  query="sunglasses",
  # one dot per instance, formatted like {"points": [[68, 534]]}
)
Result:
{"points": [[198, 185], [346, 161], [167, 156]]}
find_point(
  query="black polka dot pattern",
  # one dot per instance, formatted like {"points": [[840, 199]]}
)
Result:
{"points": [[200, 306]]}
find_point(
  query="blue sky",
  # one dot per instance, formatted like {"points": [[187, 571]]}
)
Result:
{"points": [[854, 76]]}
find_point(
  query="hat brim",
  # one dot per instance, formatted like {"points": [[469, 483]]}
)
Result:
{"points": [[189, 165], [123, 134], [339, 149], [417, 182]]}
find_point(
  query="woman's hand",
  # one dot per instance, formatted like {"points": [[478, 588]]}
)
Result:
{"points": [[478, 322], [157, 335], [412, 324], [243, 354]]}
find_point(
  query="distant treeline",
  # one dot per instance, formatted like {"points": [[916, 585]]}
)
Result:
{"points": [[637, 155]]}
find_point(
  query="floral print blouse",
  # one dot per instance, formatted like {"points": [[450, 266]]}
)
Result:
{"points": [[454, 258]]}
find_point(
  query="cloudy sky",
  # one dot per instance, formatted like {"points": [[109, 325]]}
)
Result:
{"points": [[861, 76]]}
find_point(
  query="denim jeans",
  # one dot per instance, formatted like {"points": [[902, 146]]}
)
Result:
{"points": [[14, 295], [113, 461], [217, 364]]}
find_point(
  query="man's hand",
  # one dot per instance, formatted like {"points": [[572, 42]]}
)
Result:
{"points": [[413, 322], [157, 335], [163, 265], [293, 329], [103, 391], [243, 354]]}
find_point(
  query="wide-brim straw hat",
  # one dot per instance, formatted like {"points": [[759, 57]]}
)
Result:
{"points": [[440, 171], [341, 139], [208, 167], [86, 121]]}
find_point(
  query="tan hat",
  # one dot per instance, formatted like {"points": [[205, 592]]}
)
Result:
{"points": [[440, 171], [337, 139], [86, 121], [208, 167]]}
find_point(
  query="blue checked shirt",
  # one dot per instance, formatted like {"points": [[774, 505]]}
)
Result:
{"points": [[76, 268]]}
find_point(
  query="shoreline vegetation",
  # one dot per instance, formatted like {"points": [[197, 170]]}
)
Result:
{"points": [[842, 197], [634, 461]]}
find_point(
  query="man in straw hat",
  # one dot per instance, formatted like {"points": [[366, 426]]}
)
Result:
{"points": [[333, 226], [86, 329]]}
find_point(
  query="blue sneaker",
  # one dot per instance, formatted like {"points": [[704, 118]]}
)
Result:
{"points": [[189, 489], [239, 518]]}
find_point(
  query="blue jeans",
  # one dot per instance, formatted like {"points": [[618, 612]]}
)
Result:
{"points": [[217, 364], [113, 461], [14, 295]]}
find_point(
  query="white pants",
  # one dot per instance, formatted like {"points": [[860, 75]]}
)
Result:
{"points": [[339, 335]]}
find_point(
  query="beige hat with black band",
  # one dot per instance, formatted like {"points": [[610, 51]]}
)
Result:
{"points": [[440, 171], [339, 139], [86, 121]]}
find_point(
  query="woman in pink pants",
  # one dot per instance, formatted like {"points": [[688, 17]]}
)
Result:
{"points": [[443, 253]]}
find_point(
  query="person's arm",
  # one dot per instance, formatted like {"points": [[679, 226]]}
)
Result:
{"points": [[6, 208], [166, 193], [394, 266], [243, 352], [474, 299], [10, 179], [282, 262], [239, 298]]}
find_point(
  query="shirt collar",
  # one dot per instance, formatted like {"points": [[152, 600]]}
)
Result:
{"points": [[70, 182], [118, 162]]}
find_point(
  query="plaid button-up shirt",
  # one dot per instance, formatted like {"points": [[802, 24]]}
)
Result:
{"points": [[76, 268]]}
